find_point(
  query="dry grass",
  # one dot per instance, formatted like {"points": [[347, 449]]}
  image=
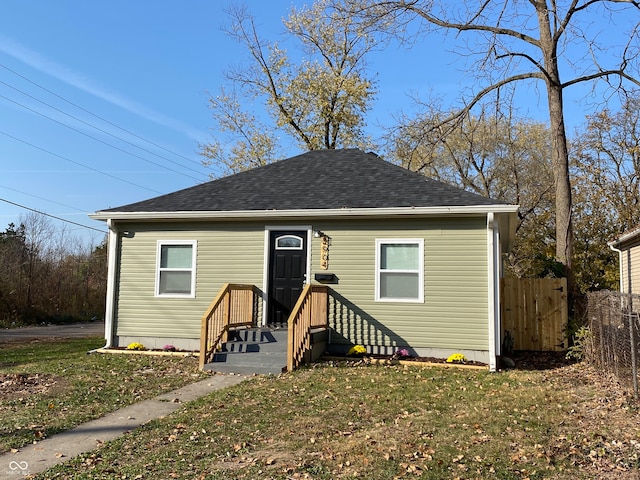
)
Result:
{"points": [[51, 386], [386, 422]]}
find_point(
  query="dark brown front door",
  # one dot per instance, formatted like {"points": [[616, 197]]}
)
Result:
{"points": [[287, 273]]}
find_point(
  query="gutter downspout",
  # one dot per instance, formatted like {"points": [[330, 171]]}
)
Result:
{"points": [[619, 252], [112, 243], [493, 291]]}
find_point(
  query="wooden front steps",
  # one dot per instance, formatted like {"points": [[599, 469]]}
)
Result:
{"points": [[252, 351]]}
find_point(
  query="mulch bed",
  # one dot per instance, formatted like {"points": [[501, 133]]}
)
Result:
{"points": [[523, 359], [420, 359]]}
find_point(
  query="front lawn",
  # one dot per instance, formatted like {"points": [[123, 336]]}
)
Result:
{"points": [[51, 386], [347, 421]]}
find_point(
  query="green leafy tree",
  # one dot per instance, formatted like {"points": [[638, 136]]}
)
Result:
{"points": [[318, 101]]}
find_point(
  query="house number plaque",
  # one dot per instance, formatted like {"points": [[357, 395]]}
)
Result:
{"points": [[324, 252]]}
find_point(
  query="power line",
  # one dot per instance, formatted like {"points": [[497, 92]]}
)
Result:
{"points": [[42, 198], [99, 117], [97, 139], [51, 216], [95, 127], [77, 163]]}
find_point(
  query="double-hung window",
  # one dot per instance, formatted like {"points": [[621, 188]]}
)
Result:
{"points": [[176, 268], [400, 270]]}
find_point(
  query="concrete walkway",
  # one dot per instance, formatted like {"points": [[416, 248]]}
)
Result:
{"points": [[43, 455]]}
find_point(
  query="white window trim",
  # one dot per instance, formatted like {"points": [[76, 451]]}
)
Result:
{"points": [[160, 244], [415, 241]]}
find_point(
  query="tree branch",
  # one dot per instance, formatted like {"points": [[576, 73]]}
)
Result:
{"points": [[457, 116], [466, 26], [605, 73]]}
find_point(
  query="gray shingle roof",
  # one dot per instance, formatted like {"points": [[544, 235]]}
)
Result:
{"points": [[320, 179]]}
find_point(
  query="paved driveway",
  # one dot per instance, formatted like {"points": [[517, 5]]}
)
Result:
{"points": [[93, 329]]}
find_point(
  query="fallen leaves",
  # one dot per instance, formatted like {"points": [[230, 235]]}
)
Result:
{"points": [[16, 385], [405, 423]]}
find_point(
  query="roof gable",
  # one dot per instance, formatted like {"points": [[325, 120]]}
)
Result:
{"points": [[316, 180]]}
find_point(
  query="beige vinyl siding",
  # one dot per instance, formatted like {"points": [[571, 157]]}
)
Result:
{"points": [[225, 253], [454, 314], [630, 271], [455, 310]]}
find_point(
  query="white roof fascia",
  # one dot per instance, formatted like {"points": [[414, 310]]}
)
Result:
{"points": [[339, 212], [630, 235]]}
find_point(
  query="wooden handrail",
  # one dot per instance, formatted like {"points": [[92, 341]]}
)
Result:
{"points": [[232, 307], [310, 312]]}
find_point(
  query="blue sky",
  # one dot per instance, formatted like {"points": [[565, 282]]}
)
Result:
{"points": [[140, 72], [136, 70]]}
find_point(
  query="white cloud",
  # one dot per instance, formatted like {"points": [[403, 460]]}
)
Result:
{"points": [[71, 77]]}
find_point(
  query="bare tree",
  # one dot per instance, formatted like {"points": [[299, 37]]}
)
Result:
{"points": [[494, 155], [48, 274], [527, 40], [39, 231], [606, 189], [608, 162]]}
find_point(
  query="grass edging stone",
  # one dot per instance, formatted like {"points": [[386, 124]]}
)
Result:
{"points": [[147, 352]]}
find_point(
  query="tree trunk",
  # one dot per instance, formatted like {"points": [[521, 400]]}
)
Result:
{"points": [[560, 158], [559, 151]]}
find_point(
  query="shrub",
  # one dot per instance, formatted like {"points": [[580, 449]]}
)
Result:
{"points": [[136, 346], [581, 344]]}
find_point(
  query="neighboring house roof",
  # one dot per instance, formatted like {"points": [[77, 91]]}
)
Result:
{"points": [[317, 180]]}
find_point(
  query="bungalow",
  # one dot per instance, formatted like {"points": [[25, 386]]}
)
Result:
{"points": [[410, 262]]}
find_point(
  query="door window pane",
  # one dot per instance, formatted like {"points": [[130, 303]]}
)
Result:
{"points": [[289, 242]]}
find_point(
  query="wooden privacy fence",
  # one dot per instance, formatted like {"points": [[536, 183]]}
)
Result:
{"points": [[535, 313]]}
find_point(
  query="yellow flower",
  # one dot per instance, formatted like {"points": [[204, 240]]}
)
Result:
{"points": [[135, 346], [356, 350], [456, 358]]}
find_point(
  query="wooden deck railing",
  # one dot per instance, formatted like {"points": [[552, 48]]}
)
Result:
{"points": [[232, 307], [309, 313]]}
